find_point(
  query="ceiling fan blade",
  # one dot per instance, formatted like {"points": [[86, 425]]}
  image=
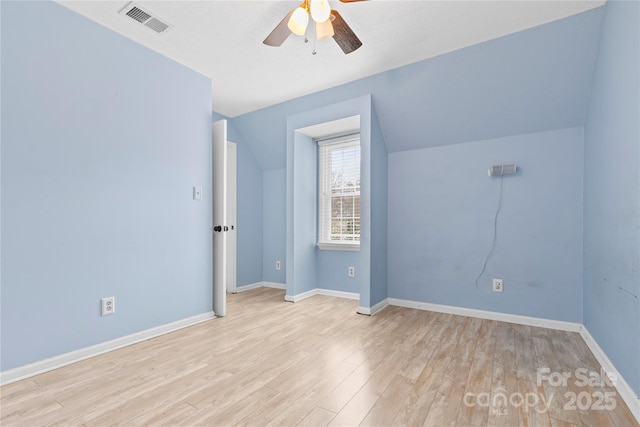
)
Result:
{"points": [[344, 36], [279, 33]]}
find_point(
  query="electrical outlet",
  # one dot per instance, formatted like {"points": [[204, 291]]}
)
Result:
{"points": [[108, 306], [498, 285], [352, 272], [278, 265]]}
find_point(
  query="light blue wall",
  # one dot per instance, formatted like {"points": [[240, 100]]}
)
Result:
{"points": [[302, 254], [301, 262], [534, 80], [249, 208], [333, 268], [331, 265], [102, 141], [379, 200], [274, 225], [612, 193], [441, 213]]}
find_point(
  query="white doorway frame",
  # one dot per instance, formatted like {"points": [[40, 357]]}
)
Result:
{"points": [[219, 211], [232, 209]]}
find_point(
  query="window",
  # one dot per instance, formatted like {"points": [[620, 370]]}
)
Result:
{"points": [[339, 193]]}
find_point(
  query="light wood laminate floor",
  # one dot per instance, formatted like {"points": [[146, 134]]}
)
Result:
{"points": [[316, 363]]}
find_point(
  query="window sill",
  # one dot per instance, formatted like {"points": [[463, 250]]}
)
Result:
{"points": [[339, 246]]}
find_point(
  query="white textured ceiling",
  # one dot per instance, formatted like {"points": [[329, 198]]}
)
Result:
{"points": [[223, 40]]}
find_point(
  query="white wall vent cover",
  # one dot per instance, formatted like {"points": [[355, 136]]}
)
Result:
{"points": [[144, 17]]}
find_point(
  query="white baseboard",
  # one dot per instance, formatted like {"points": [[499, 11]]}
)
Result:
{"points": [[625, 391], [248, 287], [322, 291], [370, 311], [26, 371], [380, 306], [274, 285], [257, 285], [338, 294], [300, 297], [489, 315]]}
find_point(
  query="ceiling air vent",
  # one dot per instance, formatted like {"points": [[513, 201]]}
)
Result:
{"points": [[144, 17]]}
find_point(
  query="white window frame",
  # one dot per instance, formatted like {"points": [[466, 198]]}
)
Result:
{"points": [[324, 193]]}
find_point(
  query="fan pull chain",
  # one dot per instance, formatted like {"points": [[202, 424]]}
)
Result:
{"points": [[306, 34], [315, 36]]}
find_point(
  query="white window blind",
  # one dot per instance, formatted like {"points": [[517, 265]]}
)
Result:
{"points": [[339, 193]]}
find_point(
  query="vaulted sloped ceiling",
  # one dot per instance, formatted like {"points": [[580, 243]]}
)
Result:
{"points": [[439, 72], [222, 39], [534, 80]]}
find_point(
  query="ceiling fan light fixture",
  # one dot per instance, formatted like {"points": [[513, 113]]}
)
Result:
{"points": [[299, 21], [324, 30], [320, 10]]}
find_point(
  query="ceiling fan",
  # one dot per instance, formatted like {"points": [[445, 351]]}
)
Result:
{"points": [[328, 22]]}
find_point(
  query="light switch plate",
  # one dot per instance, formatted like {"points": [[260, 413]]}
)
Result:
{"points": [[197, 193]]}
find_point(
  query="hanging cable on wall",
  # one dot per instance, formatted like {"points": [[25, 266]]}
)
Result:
{"points": [[501, 171]]}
